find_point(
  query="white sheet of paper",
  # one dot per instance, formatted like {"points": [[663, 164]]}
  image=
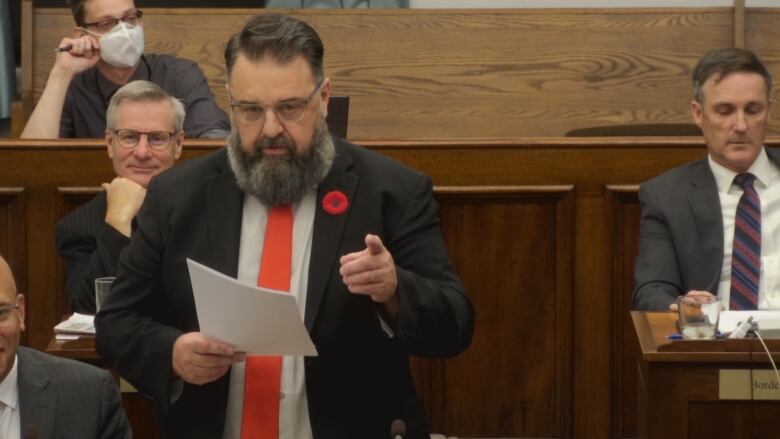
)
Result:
{"points": [[255, 320], [767, 319]]}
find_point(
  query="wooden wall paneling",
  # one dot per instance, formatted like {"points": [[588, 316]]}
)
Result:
{"points": [[623, 214], [739, 23], [450, 73], [762, 32], [592, 322], [520, 286], [44, 305], [13, 246], [517, 195]]}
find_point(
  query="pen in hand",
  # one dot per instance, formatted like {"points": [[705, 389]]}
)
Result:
{"points": [[64, 48]]}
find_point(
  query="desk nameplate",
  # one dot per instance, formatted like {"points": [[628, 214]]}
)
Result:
{"points": [[747, 384]]}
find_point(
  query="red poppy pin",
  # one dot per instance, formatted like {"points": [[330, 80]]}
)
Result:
{"points": [[335, 202]]}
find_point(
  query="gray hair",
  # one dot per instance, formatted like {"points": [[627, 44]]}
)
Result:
{"points": [[279, 37], [723, 62], [143, 91]]}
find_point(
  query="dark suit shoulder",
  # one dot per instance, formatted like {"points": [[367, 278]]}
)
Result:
{"points": [[57, 368], [367, 162], [671, 180]]}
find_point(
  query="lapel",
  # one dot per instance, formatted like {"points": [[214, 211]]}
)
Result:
{"points": [[37, 403], [224, 206], [705, 205], [327, 233]]}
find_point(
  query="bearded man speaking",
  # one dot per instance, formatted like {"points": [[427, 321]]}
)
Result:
{"points": [[353, 235]]}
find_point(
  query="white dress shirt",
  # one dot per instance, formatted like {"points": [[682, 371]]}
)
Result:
{"points": [[293, 405], [10, 423], [767, 185]]}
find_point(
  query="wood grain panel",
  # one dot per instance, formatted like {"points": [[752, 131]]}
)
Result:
{"points": [[522, 336], [12, 232], [762, 32], [466, 73], [623, 215], [12, 229], [13, 245]]}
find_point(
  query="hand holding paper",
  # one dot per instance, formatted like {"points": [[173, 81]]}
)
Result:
{"points": [[253, 320], [200, 360]]}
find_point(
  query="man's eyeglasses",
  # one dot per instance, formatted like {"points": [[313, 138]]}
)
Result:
{"points": [[129, 138], [289, 110], [107, 24], [5, 311]]}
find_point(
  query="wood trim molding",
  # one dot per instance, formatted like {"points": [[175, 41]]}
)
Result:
{"points": [[617, 197], [13, 200]]}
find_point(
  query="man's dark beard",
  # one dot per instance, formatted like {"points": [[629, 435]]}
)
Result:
{"points": [[278, 180]]}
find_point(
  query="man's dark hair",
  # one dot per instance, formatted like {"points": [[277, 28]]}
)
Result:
{"points": [[77, 9], [280, 37], [722, 63]]}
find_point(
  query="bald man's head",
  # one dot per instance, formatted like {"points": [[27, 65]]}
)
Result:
{"points": [[7, 284]]}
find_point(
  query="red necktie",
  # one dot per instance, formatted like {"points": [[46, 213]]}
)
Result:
{"points": [[263, 374]]}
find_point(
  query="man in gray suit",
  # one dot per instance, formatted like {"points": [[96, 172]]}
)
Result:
{"points": [[42, 396], [689, 214]]}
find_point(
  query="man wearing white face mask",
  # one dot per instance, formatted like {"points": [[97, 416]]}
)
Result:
{"points": [[106, 52]]}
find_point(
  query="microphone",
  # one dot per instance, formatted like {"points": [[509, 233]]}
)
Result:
{"points": [[398, 429]]}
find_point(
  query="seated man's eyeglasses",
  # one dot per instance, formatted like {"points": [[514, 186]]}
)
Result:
{"points": [[129, 138], [107, 24], [288, 110], [5, 311]]}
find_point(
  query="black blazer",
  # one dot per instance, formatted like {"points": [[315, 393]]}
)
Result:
{"points": [[680, 235], [361, 381], [90, 248]]}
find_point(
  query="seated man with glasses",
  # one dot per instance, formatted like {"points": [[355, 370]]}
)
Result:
{"points": [[106, 52], [43, 396], [144, 137]]}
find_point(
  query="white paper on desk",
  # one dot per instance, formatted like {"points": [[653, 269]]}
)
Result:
{"points": [[767, 319], [76, 324], [255, 320]]}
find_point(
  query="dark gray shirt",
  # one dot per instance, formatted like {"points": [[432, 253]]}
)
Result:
{"points": [[84, 110]]}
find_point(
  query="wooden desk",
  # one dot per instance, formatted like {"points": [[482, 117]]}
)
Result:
{"points": [[679, 389], [82, 349], [140, 410]]}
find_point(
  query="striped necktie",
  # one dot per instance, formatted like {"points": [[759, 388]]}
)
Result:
{"points": [[263, 374], [746, 255]]}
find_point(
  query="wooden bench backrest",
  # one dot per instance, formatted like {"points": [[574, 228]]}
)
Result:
{"points": [[469, 73]]}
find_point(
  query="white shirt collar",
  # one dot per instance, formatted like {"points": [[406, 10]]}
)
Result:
{"points": [[9, 387], [765, 171]]}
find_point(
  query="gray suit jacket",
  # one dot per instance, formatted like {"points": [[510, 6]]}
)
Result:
{"points": [[680, 235], [61, 398]]}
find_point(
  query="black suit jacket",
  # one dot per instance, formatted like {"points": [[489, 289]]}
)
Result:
{"points": [[680, 235], [62, 398], [361, 381], [90, 248]]}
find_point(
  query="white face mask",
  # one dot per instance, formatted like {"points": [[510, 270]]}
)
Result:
{"points": [[123, 45]]}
